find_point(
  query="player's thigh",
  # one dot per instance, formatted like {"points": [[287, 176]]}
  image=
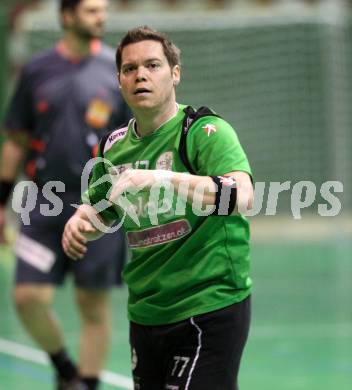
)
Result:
{"points": [[102, 265], [39, 256], [147, 360], [209, 354]]}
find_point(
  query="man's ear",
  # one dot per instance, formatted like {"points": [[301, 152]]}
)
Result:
{"points": [[66, 18], [176, 74]]}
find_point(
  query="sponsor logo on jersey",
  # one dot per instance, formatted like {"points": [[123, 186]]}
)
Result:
{"points": [[98, 113], [164, 161], [115, 136], [209, 129], [161, 234], [118, 134]]}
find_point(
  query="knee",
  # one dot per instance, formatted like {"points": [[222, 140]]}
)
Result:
{"points": [[28, 297], [93, 309]]}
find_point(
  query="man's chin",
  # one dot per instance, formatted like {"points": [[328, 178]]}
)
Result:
{"points": [[97, 34], [143, 106], [89, 35]]}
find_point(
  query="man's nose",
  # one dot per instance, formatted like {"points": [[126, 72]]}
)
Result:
{"points": [[140, 74], [101, 16]]}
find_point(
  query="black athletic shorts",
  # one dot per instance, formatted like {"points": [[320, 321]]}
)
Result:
{"points": [[41, 259], [200, 353]]}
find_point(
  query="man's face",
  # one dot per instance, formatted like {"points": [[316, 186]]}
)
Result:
{"points": [[146, 78], [88, 18]]}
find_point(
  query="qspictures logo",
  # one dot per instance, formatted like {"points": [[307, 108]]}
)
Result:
{"points": [[163, 199]]}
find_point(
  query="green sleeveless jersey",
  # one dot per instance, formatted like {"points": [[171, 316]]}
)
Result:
{"points": [[182, 264]]}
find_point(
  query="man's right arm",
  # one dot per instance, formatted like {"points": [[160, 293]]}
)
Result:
{"points": [[12, 155], [19, 123], [13, 152]]}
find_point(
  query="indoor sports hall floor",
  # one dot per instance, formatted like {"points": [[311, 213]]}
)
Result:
{"points": [[301, 335]]}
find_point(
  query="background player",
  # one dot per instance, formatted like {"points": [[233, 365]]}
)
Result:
{"points": [[65, 101], [188, 278]]}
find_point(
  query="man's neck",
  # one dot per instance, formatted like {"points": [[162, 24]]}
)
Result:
{"points": [[149, 121], [75, 47]]}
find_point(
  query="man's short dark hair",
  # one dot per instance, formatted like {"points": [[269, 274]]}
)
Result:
{"points": [[145, 33], [69, 5]]}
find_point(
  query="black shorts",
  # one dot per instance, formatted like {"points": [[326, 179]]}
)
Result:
{"points": [[200, 353], [40, 258]]}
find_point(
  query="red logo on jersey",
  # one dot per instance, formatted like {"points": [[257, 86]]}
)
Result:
{"points": [[42, 106], [98, 113], [209, 129]]}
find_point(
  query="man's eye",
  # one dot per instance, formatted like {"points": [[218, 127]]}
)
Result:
{"points": [[153, 65], [128, 69]]}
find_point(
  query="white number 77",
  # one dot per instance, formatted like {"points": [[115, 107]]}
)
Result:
{"points": [[178, 359]]}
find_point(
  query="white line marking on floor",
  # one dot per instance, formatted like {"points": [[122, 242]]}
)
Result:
{"points": [[36, 356]]}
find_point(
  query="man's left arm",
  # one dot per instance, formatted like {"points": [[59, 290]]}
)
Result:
{"points": [[236, 187]]}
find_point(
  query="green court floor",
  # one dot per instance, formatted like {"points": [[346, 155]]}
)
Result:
{"points": [[301, 335]]}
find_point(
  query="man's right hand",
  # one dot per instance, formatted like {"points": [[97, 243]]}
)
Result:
{"points": [[74, 238]]}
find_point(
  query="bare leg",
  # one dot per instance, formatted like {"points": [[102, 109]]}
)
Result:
{"points": [[96, 330], [33, 307]]}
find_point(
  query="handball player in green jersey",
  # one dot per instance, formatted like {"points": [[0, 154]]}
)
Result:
{"points": [[180, 202]]}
